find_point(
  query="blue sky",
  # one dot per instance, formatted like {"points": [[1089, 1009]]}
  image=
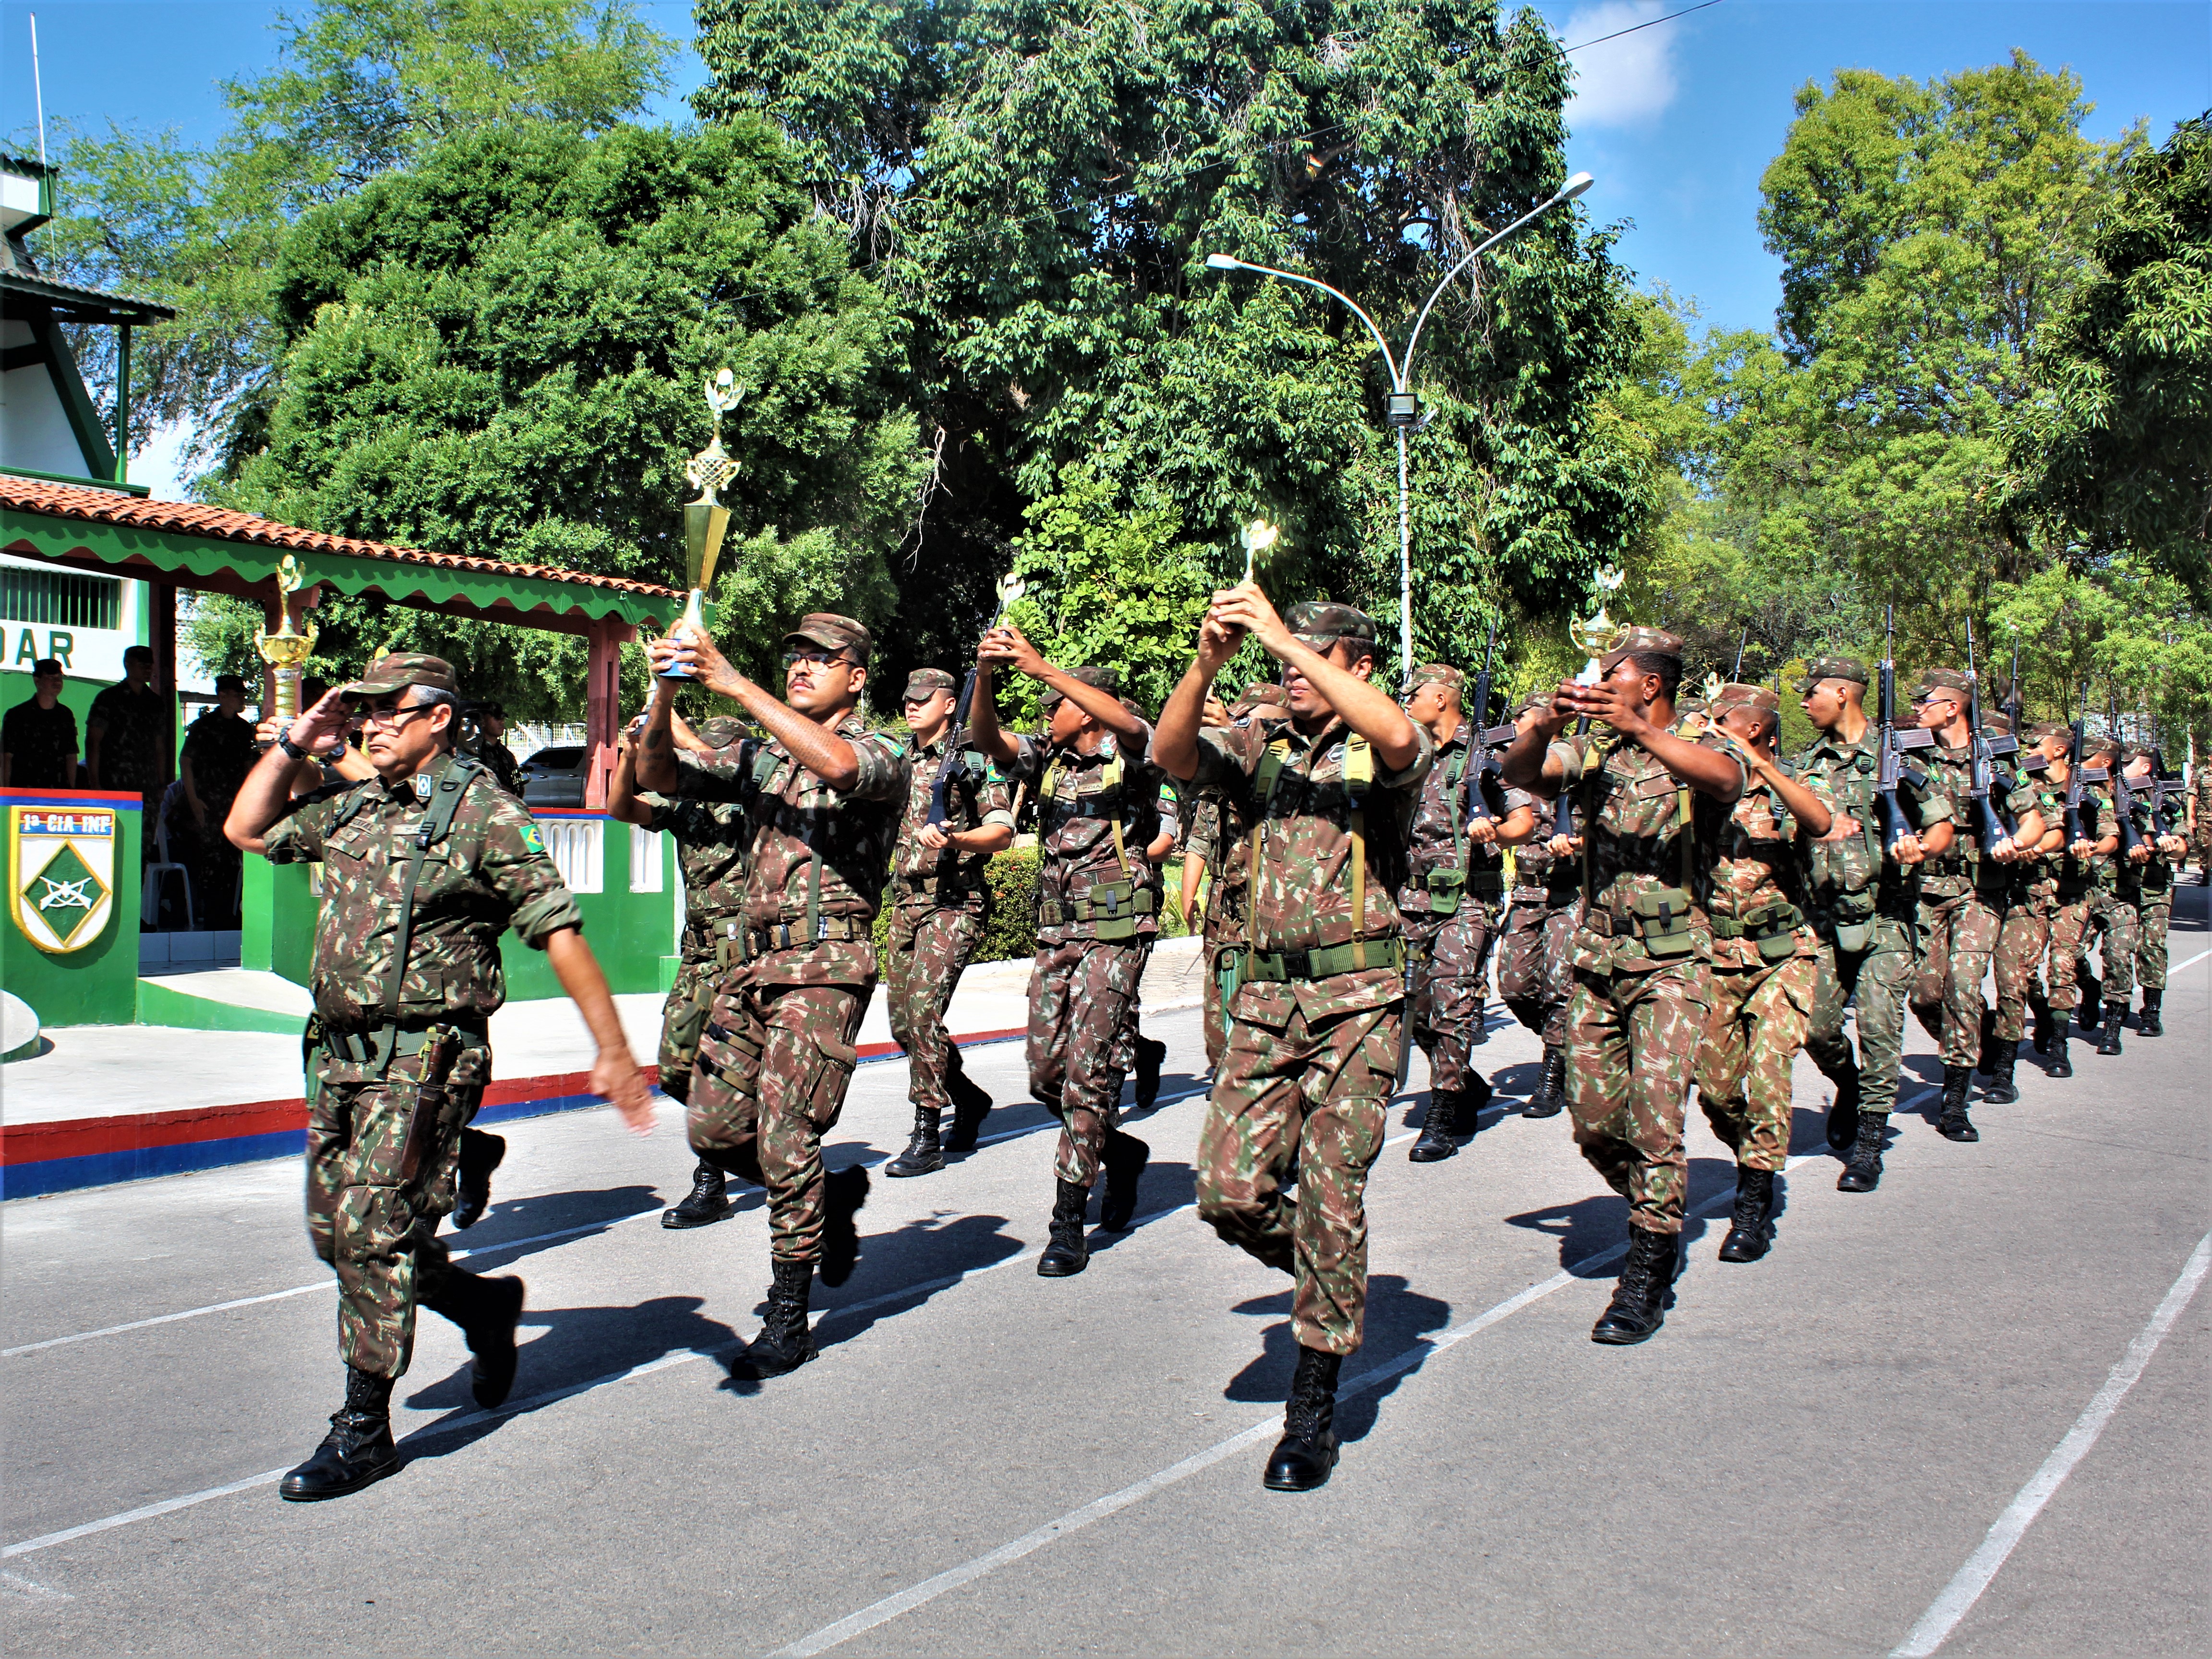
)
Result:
{"points": [[1677, 121]]}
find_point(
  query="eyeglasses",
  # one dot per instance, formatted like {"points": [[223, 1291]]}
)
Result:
{"points": [[390, 715], [818, 657]]}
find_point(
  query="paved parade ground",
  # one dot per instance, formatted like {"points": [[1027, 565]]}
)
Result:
{"points": [[1810, 1458]]}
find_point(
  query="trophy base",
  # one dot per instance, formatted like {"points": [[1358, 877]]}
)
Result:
{"points": [[678, 673]]}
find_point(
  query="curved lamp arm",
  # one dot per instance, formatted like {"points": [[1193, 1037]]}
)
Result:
{"points": [[1230, 261], [1566, 192]]}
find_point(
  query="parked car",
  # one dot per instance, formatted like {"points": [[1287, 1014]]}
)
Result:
{"points": [[555, 777]]}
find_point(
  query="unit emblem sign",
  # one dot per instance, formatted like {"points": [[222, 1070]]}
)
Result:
{"points": [[61, 875]]}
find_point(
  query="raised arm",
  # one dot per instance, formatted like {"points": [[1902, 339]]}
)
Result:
{"points": [[1174, 739], [983, 728], [266, 794], [813, 746], [1710, 772], [1364, 706], [1009, 645], [654, 758]]}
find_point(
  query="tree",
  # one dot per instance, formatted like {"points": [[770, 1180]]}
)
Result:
{"points": [[1040, 183], [1930, 235], [2117, 452], [500, 351], [361, 87]]}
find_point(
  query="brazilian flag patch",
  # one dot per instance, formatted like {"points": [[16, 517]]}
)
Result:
{"points": [[532, 839]]}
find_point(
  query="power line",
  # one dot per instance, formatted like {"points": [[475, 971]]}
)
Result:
{"points": [[1650, 23]]}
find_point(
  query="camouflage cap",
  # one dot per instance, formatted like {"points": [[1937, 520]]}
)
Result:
{"points": [[1438, 673], [1106, 679], [720, 731], [1933, 680], [1761, 698], [2141, 751], [1320, 623], [1540, 702], [400, 670], [1637, 641], [834, 632], [1264, 695], [2101, 742], [923, 681], [1996, 720], [1849, 669], [2044, 730]]}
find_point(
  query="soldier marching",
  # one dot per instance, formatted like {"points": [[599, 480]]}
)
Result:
{"points": [[1669, 901]]}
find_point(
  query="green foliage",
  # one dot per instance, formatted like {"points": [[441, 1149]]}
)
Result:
{"points": [[499, 351], [2117, 452], [360, 86], [1040, 179]]}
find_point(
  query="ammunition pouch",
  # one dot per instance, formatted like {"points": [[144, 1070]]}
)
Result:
{"points": [[1661, 922], [686, 1023], [1441, 891], [1287, 966], [789, 936], [1110, 908], [379, 1045]]}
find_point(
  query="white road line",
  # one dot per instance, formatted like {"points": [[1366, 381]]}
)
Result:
{"points": [[1944, 1613], [166, 1506]]}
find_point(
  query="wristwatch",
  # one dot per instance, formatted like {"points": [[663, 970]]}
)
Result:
{"points": [[285, 742]]}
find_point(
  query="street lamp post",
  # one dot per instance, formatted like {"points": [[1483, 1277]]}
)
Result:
{"points": [[1402, 410]]}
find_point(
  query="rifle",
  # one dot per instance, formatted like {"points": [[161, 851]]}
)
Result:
{"points": [[1890, 762], [1736, 674], [2076, 776], [2123, 798], [1990, 825], [1482, 764], [953, 770]]}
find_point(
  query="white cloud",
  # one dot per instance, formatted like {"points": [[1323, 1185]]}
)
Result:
{"points": [[1623, 82]]}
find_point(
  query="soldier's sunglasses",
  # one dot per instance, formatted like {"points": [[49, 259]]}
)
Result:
{"points": [[389, 713]]}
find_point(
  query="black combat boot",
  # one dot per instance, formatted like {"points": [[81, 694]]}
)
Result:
{"points": [[1863, 1173], [923, 1154], [1439, 1128], [2154, 1004], [843, 1192], [1551, 1097], [487, 1310], [786, 1342], [1751, 1228], [1125, 1157], [1304, 1455], [2003, 1091], [706, 1201], [357, 1452], [1985, 1061], [1149, 1056], [1842, 1129], [1639, 1301], [1068, 1255], [1954, 1124], [2091, 995], [2108, 1038], [481, 1154], [2060, 1064], [970, 1106], [2046, 1027]]}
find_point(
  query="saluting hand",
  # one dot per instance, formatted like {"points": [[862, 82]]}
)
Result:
{"points": [[319, 727]]}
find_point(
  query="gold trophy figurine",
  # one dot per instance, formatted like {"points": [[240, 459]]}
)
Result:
{"points": [[706, 520], [285, 651], [1259, 538]]}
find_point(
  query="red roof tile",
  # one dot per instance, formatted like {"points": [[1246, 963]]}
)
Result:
{"points": [[221, 524]]}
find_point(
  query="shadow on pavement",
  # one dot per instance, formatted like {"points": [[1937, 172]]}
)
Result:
{"points": [[1165, 1188], [928, 1253], [1398, 1317], [526, 1218], [1586, 1228], [581, 1345]]}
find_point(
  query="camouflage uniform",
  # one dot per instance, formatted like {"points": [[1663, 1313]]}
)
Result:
{"points": [[1535, 946], [777, 1054], [2153, 904], [1217, 836], [2200, 792], [2031, 904], [1316, 1021], [1098, 905], [371, 1219], [499, 760], [1643, 987], [1766, 966], [2075, 890], [2114, 914], [1963, 896], [710, 839], [1865, 909], [1450, 906], [940, 907]]}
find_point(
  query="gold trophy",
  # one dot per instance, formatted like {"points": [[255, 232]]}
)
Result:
{"points": [[285, 651], [707, 518], [1594, 636], [1259, 538]]}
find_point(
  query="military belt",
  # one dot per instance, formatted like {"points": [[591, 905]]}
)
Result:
{"points": [[1283, 967], [366, 1047], [1770, 921], [936, 887], [1085, 806], [785, 937], [1483, 884]]}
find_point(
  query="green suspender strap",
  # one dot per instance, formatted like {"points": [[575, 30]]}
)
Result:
{"points": [[1272, 766], [1358, 777], [451, 783]]}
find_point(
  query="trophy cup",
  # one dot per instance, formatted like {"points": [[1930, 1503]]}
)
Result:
{"points": [[1594, 636], [285, 651], [707, 518], [1259, 538]]}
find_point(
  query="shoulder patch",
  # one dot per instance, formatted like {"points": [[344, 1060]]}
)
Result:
{"points": [[532, 839]]}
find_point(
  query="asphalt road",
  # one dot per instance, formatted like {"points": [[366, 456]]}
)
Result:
{"points": [[1802, 1462]]}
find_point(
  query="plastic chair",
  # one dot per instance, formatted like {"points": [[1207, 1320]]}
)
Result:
{"points": [[155, 882]]}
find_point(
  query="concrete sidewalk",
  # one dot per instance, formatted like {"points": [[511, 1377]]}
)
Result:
{"points": [[115, 1102]]}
